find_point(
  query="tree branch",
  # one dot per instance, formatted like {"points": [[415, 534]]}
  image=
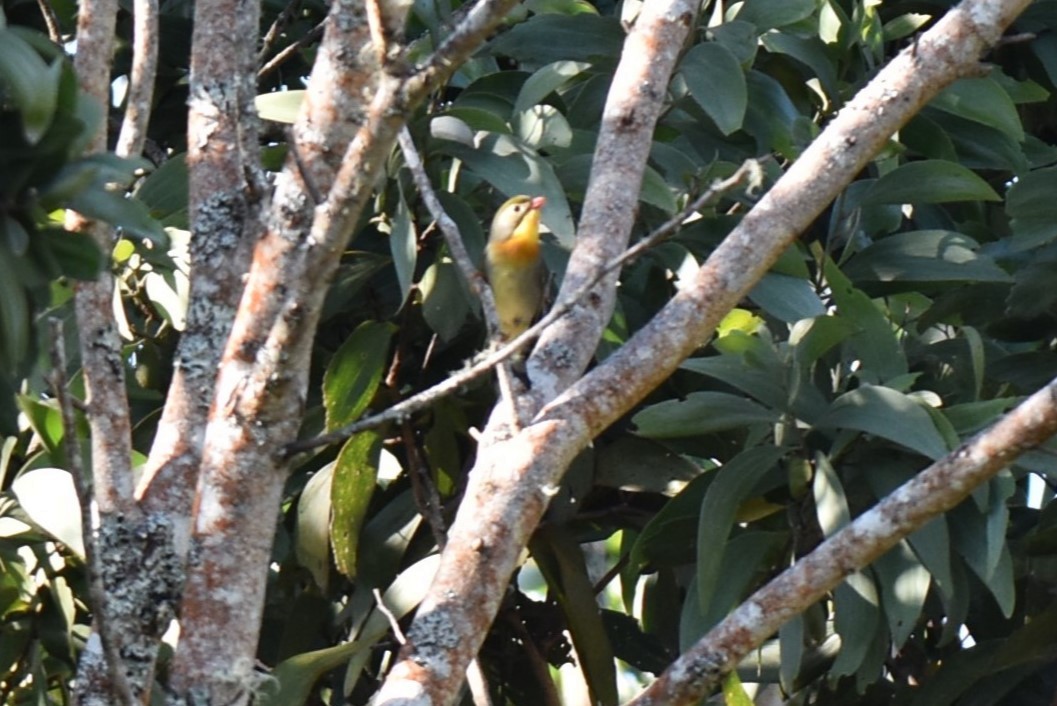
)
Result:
{"points": [[512, 480], [483, 547], [935, 490], [141, 77]]}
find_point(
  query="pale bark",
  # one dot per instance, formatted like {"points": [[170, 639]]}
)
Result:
{"points": [[513, 479], [260, 387]]}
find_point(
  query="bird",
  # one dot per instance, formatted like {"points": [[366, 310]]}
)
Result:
{"points": [[512, 263]]}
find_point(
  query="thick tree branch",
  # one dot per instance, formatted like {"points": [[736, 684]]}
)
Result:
{"points": [[749, 173], [635, 100], [513, 480], [483, 548], [225, 193], [263, 371]]}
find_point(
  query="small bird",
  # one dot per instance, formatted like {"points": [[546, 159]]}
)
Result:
{"points": [[512, 263]]}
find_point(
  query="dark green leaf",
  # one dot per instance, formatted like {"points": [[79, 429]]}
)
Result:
{"points": [[32, 83], [767, 14], [544, 39], [562, 563], [514, 169], [786, 298], [875, 342], [403, 245], [355, 473], [354, 373], [700, 413], [734, 481], [444, 303], [904, 585], [1033, 209], [930, 181], [924, 256], [984, 101], [889, 414], [716, 81]]}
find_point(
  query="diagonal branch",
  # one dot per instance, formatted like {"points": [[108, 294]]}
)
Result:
{"points": [[935, 490], [483, 548], [512, 481]]}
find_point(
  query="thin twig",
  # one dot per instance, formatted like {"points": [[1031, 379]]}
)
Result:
{"points": [[282, 21], [393, 622], [477, 283], [286, 52], [450, 230], [379, 38], [749, 171], [51, 21], [423, 490], [72, 447]]}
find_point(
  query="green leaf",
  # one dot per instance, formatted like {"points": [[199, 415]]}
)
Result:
{"points": [[812, 338], [734, 481], [14, 313], [930, 181], [78, 255], [904, 585], [984, 101], [546, 81], [354, 373], [747, 558], [856, 616], [48, 497], [786, 298], [13, 234], [444, 304], [904, 25], [747, 374], [678, 518], [831, 504], [561, 561], [740, 38], [1032, 208], [313, 525], [924, 256], [544, 39], [734, 693], [118, 210], [641, 466], [656, 192], [297, 675], [791, 652], [767, 14], [165, 192], [32, 84], [875, 342], [811, 52], [716, 81], [355, 474], [513, 168], [403, 245], [280, 106], [700, 413], [891, 415], [563, 7]]}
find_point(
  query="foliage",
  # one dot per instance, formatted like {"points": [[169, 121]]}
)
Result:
{"points": [[914, 312]]}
